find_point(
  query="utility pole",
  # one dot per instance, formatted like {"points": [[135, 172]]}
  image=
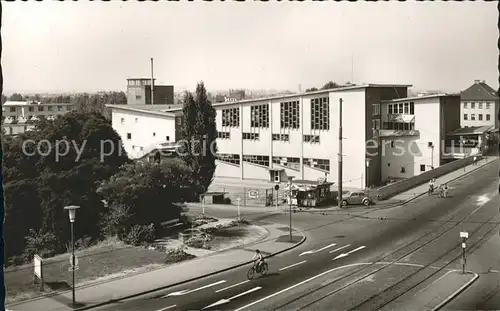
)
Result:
{"points": [[152, 83], [290, 178], [340, 155]]}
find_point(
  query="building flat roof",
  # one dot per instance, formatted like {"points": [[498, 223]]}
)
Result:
{"points": [[415, 98], [160, 110], [285, 96], [178, 110], [472, 130], [28, 103]]}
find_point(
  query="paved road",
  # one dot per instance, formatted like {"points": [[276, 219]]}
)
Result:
{"points": [[409, 246]]}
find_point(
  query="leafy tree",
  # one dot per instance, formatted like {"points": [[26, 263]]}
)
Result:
{"points": [[313, 89], [16, 97], [144, 193], [97, 102], [4, 99], [330, 85], [70, 178], [200, 129]]}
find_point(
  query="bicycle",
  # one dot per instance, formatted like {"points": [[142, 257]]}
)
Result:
{"points": [[261, 269]]}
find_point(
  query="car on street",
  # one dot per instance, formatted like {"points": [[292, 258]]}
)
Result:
{"points": [[356, 198]]}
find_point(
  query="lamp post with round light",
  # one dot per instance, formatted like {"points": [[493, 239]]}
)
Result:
{"points": [[72, 216], [367, 184]]}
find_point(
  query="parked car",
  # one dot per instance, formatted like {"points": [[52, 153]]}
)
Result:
{"points": [[356, 198]]}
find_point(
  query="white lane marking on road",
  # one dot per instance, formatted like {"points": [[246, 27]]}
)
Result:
{"points": [[320, 275], [340, 248], [234, 285], [299, 284], [167, 308], [223, 301], [291, 266], [184, 292], [318, 250], [349, 252], [483, 199]]}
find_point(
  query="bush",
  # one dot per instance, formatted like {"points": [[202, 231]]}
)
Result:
{"points": [[44, 244], [200, 241], [243, 222], [139, 235], [177, 255]]}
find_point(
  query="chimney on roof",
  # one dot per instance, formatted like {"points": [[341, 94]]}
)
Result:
{"points": [[477, 81]]}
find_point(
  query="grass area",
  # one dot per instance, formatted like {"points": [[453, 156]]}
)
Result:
{"points": [[112, 258], [106, 260]]}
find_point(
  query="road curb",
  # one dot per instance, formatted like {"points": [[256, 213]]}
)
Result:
{"points": [[56, 293], [190, 280], [455, 294], [452, 180]]}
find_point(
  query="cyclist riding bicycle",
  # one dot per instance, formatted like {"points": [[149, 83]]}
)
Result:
{"points": [[259, 259], [431, 185]]}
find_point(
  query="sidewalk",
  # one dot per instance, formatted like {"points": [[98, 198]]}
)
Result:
{"points": [[418, 191], [136, 285], [438, 293]]}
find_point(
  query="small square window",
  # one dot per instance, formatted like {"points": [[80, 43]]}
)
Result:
{"points": [[430, 144], [154, 134], [403, 170], [422, 167], [168, 138], [129, 136], [122, 120]]}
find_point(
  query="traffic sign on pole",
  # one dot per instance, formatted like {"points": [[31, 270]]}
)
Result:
{"points": [[464, 234]]}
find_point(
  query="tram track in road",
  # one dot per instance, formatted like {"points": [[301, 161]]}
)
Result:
{"points": [[374, 299], [384, 258]]}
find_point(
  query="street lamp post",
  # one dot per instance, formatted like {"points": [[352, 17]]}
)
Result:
{"points": [[290, 179], [72, 216], [367, 184]]}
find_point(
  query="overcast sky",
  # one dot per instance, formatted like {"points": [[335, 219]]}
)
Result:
{"points": [[88, 46]]}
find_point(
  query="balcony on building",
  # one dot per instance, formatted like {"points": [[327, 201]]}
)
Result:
{"points": [[399, 125]]}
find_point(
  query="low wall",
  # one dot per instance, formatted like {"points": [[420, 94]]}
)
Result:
{"points": [[391, 190]]}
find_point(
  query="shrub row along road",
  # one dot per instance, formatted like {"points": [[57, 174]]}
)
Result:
{"points": [[365, 260]]}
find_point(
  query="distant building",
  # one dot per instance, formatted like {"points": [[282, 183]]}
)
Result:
{"points": [[236, 95], [139, 93], [479, 106], [413, 133], [143, 127], [18, 116]]}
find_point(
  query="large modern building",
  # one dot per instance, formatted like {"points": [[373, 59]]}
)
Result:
{"points": [[479, 106], [18, 116], [414, 134], [292, 135], [139, 92]]}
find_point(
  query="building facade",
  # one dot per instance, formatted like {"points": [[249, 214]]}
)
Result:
{"points": [[479, 106], [18, 117], [272, 138], [413, 133], [142, 127], [297, 135], [139, 93]]}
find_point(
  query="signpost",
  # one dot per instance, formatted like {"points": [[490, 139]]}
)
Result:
{"points": [[464, 236], [73, 266], [38, 271], [276, 187], [253, 194], [238, 199]]}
